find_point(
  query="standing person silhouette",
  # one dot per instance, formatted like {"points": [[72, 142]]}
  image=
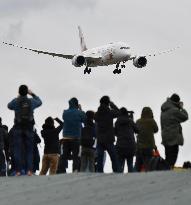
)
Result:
{"points": [[104, 116], [23, 134], [172, 115]]}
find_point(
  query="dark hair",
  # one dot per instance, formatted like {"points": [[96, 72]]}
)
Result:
{"points": [[105, 100], [175, 98], [90, 115], [0, 120], [23, 90], [73, 102], [123, 111], [49, 121]]}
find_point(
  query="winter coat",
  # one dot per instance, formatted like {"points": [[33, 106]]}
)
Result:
{"points": [[104, 123], [2, 137], [88, 135], [125, 128], [171, 117], [73, 119], [147, 127], [50, 134], [14, 104]]}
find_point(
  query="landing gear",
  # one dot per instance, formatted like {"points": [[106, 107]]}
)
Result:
{"points": [[87, 70], [117, 70]]}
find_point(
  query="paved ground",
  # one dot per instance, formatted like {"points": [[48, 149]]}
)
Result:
{"points": [[164, 188]]}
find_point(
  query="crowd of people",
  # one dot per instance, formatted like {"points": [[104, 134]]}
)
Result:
{"points": [[87, 136]]}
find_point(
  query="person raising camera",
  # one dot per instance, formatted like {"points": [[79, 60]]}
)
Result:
{"points": [[125, 129], [172, 115], [23, 134], [73, 118], [104, 117]]}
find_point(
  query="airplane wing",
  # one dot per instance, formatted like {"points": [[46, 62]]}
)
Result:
{"points": [[156, 54], [162, 52], [43, 52]]}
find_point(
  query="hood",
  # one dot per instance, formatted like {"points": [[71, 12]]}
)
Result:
{"points": [[169, 104], [147, 113]]}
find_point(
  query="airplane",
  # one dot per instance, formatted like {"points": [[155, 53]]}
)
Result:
{"points": [[117, 53]]}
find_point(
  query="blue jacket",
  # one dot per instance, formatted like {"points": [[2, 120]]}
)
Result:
{"points": [[73, 119], [35, 102]]}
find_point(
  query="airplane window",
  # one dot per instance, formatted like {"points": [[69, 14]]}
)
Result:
{"points": [[124, 48]]}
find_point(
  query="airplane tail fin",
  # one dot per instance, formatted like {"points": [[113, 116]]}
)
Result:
{"points": [[82, 41]]}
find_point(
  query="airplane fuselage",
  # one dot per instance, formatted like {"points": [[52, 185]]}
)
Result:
{"points": [[109, 54]]}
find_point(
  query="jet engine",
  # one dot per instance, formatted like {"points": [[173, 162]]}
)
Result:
{"points": [[140, 61], [78, 61]]}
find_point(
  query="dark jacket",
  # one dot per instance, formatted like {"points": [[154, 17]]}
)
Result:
{"points": [[171, 117], [125, 128], [146, 129], [104, 123], [36, 154], [2, 137], [50, 135], [73, 119], [88, 135], [6, 141]]}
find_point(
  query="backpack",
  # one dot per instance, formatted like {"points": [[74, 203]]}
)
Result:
{"points": [[187, 165], [24, 116], [87, 138]]}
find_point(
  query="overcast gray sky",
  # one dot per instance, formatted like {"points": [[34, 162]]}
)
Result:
{"points": [[148, 26]]}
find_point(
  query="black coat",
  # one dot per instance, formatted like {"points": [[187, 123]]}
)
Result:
{"points": [[88, 135], [104, 124], [51, 139], [125, 128], [2, 136]]}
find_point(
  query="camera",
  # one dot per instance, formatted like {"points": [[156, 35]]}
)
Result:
{"points": [[130, 114]]}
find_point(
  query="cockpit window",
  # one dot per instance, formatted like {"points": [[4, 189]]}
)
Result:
{"points": [[125, 48]]}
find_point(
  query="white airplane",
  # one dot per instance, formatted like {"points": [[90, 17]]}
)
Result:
{"points": [[112, 53]]}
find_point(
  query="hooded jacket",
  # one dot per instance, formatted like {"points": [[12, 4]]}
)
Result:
{"points": [[171, 117], [73, 119], [147, 127]]}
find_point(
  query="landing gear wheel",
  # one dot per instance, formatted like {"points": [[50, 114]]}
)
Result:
{"points": [[114, 72], [87, 70], [122, 66], [117, 65], [117, 71]]}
